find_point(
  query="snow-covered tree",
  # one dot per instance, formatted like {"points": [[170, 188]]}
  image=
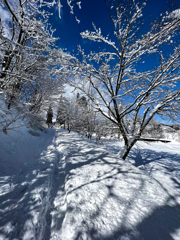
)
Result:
{"points": [[62, 110], [73, 113], [127, 95], [29, 58], [49, 116], [153, 130]]}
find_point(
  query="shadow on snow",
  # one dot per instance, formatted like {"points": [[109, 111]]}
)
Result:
{"points": [[93, 196], [108, 199]]}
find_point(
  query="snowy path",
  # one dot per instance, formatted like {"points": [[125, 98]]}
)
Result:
{"points": [[60, 186], [27, 165]]}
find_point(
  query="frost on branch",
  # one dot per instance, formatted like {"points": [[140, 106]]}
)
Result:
{"points": [[98, 37], [79, 4], [30, 62], [129, 96], [175, 14]]}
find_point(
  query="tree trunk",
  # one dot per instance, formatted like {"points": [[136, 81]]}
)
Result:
{"points": [[10, 101], [126, 149], [69, 128]]}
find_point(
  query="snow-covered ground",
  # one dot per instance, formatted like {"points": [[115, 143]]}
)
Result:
{"points": [[60, 186]]}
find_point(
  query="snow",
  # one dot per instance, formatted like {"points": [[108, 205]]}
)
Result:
{"points": [[175, 14], [57, 185]]}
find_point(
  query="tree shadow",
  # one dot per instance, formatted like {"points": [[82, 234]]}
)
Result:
{"points": [[145, 156], [21, 202], [93, 196], [162, 223], [151, 161], [108, 199]]}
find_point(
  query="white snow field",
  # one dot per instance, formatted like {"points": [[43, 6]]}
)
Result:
{"points": [[62, 186]]}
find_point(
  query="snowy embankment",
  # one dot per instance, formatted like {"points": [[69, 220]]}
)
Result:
{"points": [[61, 186]]}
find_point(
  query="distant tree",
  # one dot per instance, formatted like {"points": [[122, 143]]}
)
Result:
{"points": [[67, 113], [81, 114], [82, 102], [49, 116], [78, 96], [74, 114], [62, 111], [153, 130]]}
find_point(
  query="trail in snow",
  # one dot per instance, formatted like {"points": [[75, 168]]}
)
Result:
{"points": [[60, 186], [56, 188], [27, 163]]}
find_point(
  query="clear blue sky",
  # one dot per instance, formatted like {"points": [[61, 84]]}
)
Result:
{"points": [[68, 30]]}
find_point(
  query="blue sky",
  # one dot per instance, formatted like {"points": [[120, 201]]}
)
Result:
{"points": [[95, 11], [68, 30]]}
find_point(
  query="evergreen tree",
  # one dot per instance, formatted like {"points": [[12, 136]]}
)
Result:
{"points": [[62, 111], [49, 116]]}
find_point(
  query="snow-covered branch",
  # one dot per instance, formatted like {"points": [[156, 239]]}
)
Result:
{"points": [[130, 96]]}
